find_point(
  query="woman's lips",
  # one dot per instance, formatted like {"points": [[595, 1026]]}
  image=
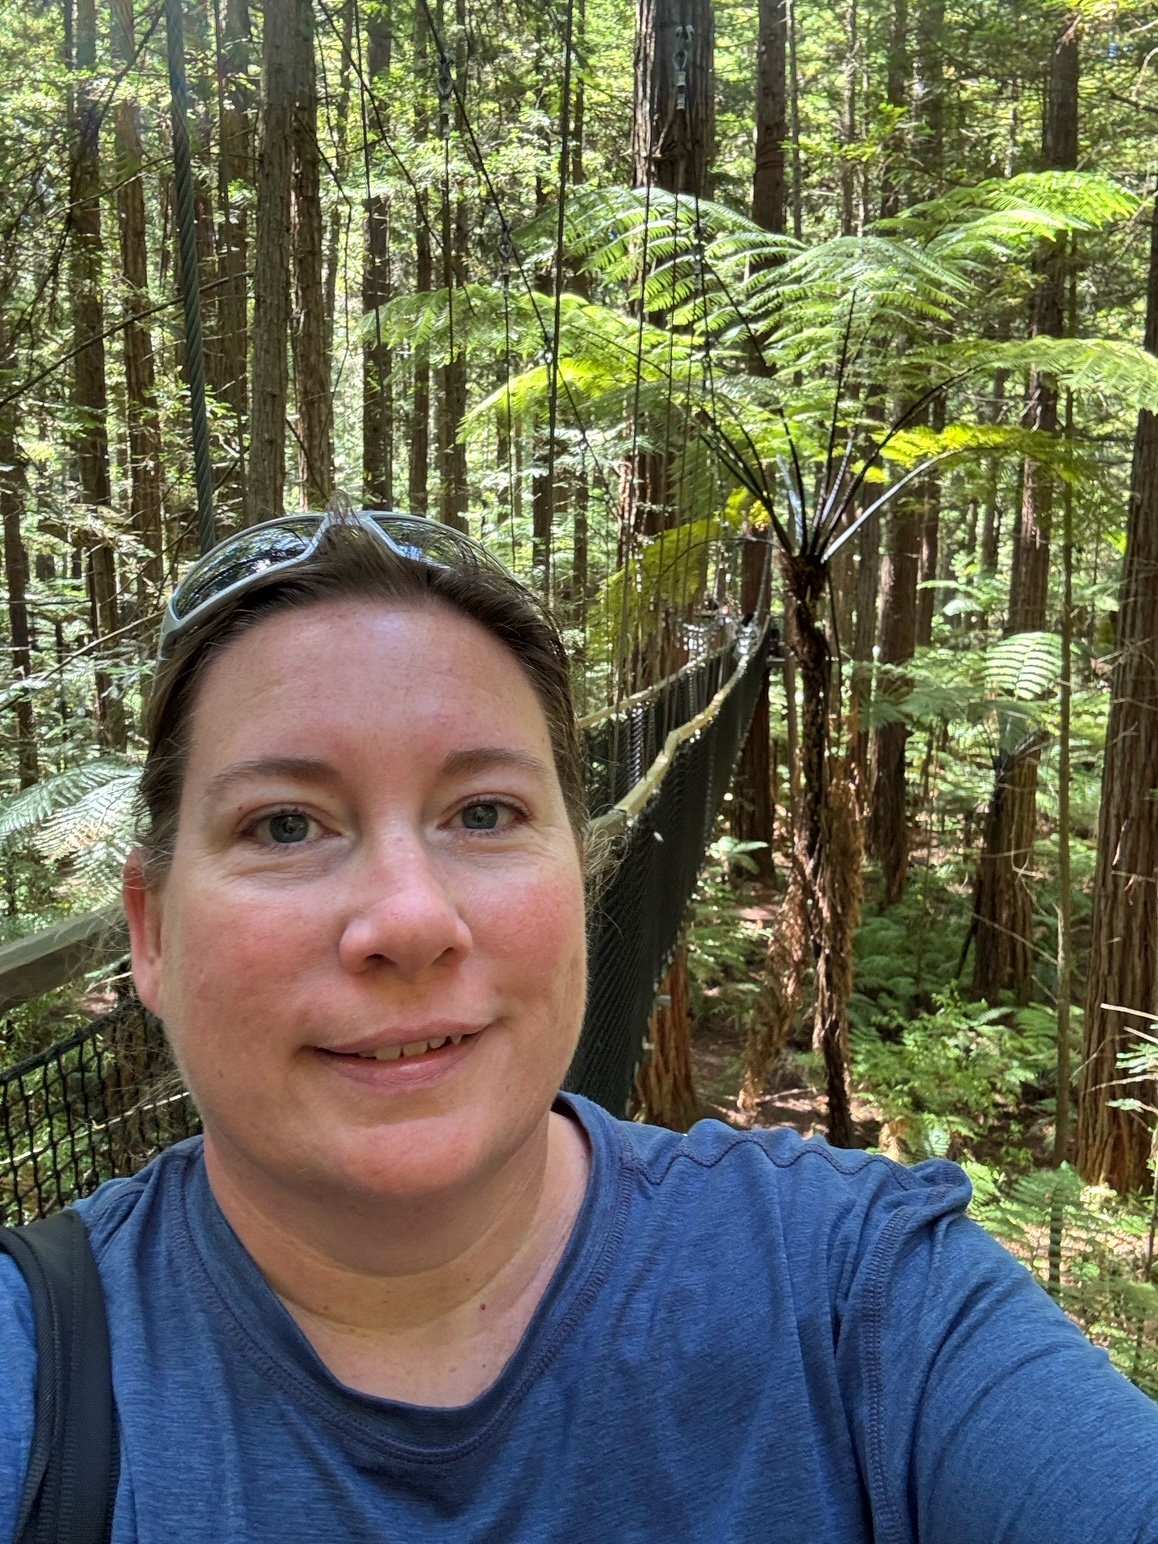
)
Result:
{"points": [[407, 1065]]}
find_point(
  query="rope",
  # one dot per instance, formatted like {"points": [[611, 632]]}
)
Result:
{"points": [[190, 278]]}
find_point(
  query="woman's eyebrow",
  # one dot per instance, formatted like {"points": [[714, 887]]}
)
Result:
{"points": [[297, 769], [484, 758]]}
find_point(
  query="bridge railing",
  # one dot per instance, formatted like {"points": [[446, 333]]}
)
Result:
{"points": [[102, 1101]]}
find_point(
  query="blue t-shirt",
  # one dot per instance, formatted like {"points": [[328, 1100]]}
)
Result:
{"points": [[749, 1337]]}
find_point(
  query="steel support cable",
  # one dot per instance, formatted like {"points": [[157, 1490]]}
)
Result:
{"points": [[557, 320], [190, 278]]}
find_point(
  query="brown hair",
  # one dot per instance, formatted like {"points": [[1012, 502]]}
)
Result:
{"points": [[349, 564]]}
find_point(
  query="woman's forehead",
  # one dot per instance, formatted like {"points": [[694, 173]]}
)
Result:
{"points": [[360, 668]]}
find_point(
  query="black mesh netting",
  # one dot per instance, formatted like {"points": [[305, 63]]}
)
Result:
{"points": [[635, 926], [99, 1104], [106, 1099]]}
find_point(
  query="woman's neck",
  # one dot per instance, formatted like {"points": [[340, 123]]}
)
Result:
{"points": [[422, 1303]]}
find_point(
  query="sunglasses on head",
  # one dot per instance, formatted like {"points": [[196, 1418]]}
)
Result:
{"points": [[275, 546]]}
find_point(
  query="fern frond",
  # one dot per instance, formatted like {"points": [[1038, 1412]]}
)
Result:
{"points": [[58, 795], [1024, 667]]}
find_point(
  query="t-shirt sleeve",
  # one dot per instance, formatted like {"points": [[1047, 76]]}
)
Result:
{"points": [[17, 1391], [988, 1418]]}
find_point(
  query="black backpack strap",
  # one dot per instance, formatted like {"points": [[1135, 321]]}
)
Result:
{"points": [[72, 1471]]}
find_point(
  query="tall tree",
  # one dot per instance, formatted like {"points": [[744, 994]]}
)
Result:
{"points": [[13, 487], [1003, 899], [418, 477], [311, 358], [377, 285], [452, 385], [753, 811], [770, 180], [1114, 1143], [281, 48], [143, 413], [235, 174], [90, 392], [672, 148]]}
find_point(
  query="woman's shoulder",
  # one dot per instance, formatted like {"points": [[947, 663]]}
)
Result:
{"points": [[800, 1183], [119, 1204]]}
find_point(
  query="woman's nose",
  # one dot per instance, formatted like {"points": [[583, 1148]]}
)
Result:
{"points": [[404, 916]]}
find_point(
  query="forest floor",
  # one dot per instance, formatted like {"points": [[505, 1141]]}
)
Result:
{"points": [[717, 1056]]}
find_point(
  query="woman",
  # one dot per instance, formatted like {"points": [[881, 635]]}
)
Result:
{"points": [[404, 1291]]}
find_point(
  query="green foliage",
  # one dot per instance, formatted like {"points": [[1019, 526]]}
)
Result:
{"points": [[725, 954], [79, 823], [948, 1074], [1102, 1246]]}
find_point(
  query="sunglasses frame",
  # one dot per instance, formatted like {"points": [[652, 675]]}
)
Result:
{"points": [[376, 523]]}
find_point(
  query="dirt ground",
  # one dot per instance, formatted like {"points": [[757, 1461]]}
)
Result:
{"points": [[717, 1058]]}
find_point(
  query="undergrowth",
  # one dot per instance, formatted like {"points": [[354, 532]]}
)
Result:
{"points": [[952, 1077]]}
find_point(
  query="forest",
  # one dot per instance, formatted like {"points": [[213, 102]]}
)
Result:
{"points": [[846, 314]]}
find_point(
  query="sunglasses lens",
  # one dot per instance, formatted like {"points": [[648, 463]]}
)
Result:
{"points": [[428, 541], [243, 557]]}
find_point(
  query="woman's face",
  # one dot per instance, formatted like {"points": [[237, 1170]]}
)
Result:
{"points": [[369, 949]]}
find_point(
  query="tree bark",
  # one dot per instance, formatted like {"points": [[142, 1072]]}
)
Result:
{"points": [[418, 481], [12, 496], [1114, 1145], [675, 102], [90, 394], [896, 95], [452, 483], [673, 147], [377, 290], [1003, 899], [889, 831], [769, 180], [271, 276], [235, 177], [830, 907], [311, 359], [144, 421], [753, 812]]}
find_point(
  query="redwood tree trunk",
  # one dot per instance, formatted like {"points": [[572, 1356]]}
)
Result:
{"points": [[889, 826], [315, 409], [377, 289], [1114, 1145], [12, 492], [770, 180], [753, 811], [271, 271], [90, 394], [234, 176], [419, 470], [144, 422], [1004, 903], [673, 147]]}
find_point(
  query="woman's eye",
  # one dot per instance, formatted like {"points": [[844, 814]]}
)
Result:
{"points": [[486, 815], [285, 828]]}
